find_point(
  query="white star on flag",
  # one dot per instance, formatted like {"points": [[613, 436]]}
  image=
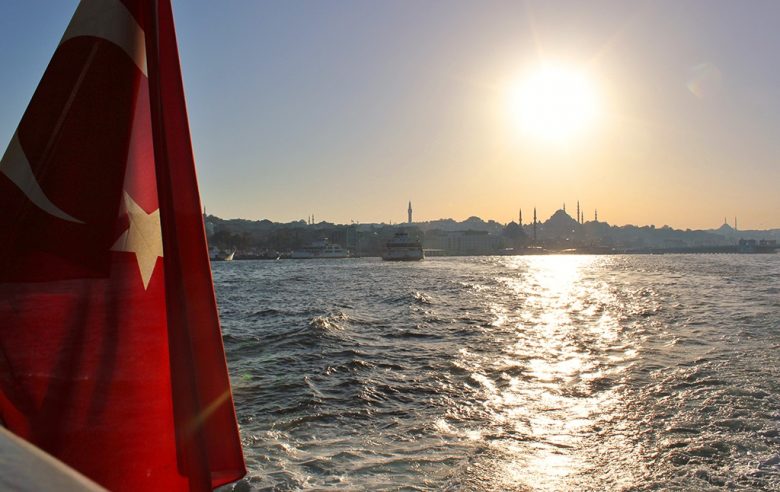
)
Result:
{"points": [[143, 237]]}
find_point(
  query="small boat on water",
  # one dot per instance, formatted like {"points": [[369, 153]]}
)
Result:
{"points": [[216, 255], [402, 247], [320, 249]]}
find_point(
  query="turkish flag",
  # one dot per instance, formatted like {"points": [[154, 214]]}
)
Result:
{"points": [[111, 356]]}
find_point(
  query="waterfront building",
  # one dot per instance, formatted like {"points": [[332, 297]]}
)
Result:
{"points": [[463, 242]]}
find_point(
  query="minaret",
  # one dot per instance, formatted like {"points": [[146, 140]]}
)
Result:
{"points": [[578, 212], [410, 211], [735, 223], [520, 218], [564, 207], [534, 224], [596, 215]]}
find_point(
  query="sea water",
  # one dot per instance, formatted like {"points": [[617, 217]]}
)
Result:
{"points": [[506, 373]]}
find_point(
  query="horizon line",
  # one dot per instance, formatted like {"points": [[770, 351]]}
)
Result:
{"points": [[401, 223]]}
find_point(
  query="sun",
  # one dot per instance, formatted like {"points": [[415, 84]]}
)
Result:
{"points": [[554, 103]]}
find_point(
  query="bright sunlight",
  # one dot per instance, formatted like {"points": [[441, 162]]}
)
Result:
{"points": [[554, 103]]}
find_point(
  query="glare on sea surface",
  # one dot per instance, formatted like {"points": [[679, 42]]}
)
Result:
{"points": [[554, 103], [560, 325]]}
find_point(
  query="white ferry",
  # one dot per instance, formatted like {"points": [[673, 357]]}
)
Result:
{"points": [[403, 248], [320, 249]]}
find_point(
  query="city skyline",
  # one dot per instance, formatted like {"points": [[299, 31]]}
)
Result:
{"points": [[538, 218], [587, 216], [350, 110]]}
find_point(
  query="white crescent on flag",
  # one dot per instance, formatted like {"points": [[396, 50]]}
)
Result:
{"points": [[109, 20], [105, 19], [17, 168]]}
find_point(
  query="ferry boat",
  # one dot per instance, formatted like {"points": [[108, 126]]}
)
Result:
{"points": [[320, 249], [402, 247]]}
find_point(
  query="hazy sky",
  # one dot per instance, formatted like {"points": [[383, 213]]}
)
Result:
{"points": [[348, 109]]}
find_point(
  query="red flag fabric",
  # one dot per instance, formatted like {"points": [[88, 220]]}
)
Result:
{"points": [[111, 356]]}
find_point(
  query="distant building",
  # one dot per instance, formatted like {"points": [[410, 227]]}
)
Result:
{"points": [[463, 242], [560, 225], [514, 236], [410, 212], [754, 246]]}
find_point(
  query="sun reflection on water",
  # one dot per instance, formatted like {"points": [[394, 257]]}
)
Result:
{"points": [[561, 329]]}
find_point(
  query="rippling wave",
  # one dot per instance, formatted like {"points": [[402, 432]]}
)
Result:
{"points": [[507, 373]]}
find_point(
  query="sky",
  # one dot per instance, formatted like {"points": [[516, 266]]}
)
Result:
{"points": [[349, 109]]}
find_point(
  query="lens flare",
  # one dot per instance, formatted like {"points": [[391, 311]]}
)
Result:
{"points": [[705, 80]]}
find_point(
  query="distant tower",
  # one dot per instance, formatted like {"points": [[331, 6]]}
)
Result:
{"points": [[578, 212], [534, 224], [209, 226], [564, 207], [520, 218], [596, 215], [410, 212], [735, 223]]}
